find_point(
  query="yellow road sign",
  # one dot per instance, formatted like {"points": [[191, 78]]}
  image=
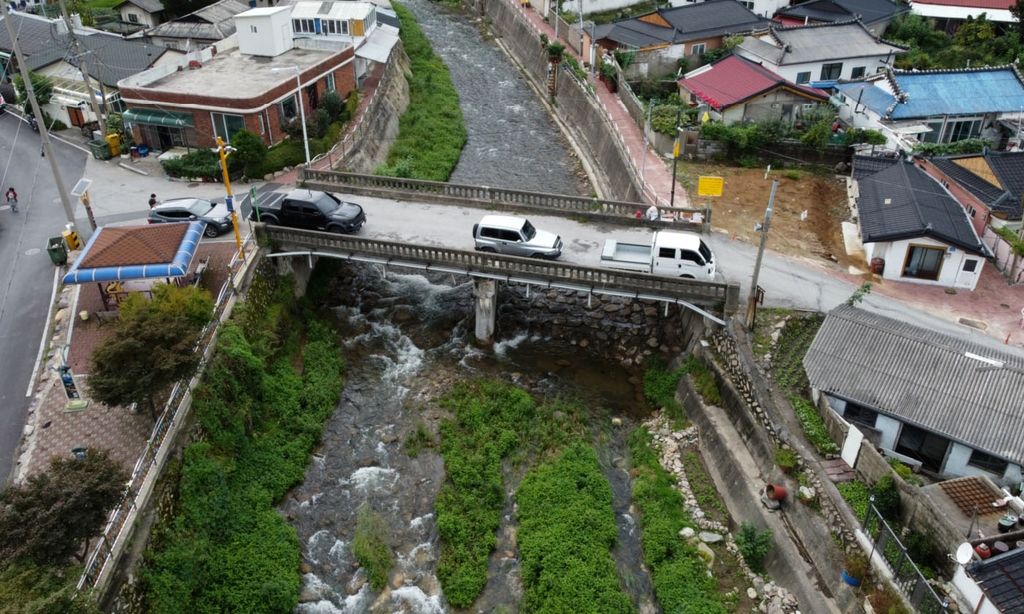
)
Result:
{"points": [[710, 186]]}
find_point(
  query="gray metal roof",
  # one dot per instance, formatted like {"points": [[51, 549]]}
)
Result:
{"points": [[210, 23], [904, 202], [1003, 200], [687, 22], [820, 42], [150, 6], [870, 11], [34, 33], [108, 58], [1002, 579], [949, 385]]}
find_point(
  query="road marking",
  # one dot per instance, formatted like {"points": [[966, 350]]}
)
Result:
{"points": [[46, 330]]}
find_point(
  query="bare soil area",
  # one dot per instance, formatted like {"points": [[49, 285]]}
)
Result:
{"points": [[745, 194]]}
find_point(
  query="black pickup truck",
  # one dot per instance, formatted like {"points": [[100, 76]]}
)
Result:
{"points": [[312, 210]]}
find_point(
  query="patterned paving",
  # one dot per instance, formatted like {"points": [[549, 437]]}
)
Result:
{"points": [[838, 471]]}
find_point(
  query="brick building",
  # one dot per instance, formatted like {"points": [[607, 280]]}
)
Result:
{"points": [[247, 81]]}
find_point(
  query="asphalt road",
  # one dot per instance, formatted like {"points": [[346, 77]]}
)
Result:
{"points": [[26, 272]]}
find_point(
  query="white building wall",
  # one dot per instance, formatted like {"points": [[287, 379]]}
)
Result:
{"points": [[264, 31], [956, 466], [895, 256], [972, 594], [890, 429], [141, 17]]}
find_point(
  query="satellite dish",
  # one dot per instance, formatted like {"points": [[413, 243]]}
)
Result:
{"points": [[964, 553]]}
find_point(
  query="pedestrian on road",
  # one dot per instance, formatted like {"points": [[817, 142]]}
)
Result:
{"points": [[12, 198], [152, 200]]}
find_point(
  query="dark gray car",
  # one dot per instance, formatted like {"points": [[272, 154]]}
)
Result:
{"points": [[216, 215]]}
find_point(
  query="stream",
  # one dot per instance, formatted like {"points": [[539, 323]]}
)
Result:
{"points": [[406, 342]]}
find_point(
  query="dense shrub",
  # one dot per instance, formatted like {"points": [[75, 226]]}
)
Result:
{"points": [[227, 549], [680, 578], [566, 529], [200, 164], [814, 427], [431, 132], [856, 494], [754, 545], [370, 545], [887, 498]]}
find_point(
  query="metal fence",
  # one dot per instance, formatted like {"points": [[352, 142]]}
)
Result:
{"points": [[906, 576], [118, 517]]}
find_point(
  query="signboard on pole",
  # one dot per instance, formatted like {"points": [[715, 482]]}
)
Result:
{"points": [[710, 186]]}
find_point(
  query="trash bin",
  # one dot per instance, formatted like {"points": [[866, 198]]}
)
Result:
{"points": [[114, 142], [100, 149], [58, 252]]}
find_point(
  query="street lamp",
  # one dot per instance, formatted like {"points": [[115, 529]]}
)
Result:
{"points": [[302, 108]]}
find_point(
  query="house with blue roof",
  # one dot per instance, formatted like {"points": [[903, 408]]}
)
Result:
{"points": [[912, 228], [934, 106]]}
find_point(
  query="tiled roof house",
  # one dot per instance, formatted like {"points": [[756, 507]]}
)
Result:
{"points": [[875, 14], [737, 89], [912, 228]]}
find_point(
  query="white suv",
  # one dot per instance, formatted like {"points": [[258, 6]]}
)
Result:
{"points": [[515, 236]]}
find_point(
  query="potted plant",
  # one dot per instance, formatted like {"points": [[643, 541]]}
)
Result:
{"points": [[608, 75], [786, 459], [855, 569], [555, 52]]}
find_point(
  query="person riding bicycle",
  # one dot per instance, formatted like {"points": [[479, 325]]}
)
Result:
{"points": [[12, 198]]}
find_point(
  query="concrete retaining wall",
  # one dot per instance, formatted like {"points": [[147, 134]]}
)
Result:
{"points": [[573, 104]]}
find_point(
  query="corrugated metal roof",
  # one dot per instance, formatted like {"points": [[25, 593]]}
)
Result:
{"points": [[733, 80], [150, 6], [35, 34], [331, 9], [967, 91], [873, 97], [1002, 579], [923, 377], [211, 23], [869, 11], [903, 202]]}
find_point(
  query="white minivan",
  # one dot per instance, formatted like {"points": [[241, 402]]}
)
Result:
{"points": [[515, 236]]}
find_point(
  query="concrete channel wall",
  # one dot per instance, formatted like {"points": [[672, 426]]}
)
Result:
{"points": [[573, 105]]}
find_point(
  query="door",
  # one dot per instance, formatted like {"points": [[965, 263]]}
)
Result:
{"points": [[924, 446], [923, 262], [967, 276], [666, 261], [76, 116]]}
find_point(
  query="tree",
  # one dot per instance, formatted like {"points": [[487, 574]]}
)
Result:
{"points": [[28, 589], [53, 515], [152, 347], [250, 152], [42, 86], [332, 102], [1017, 10]]}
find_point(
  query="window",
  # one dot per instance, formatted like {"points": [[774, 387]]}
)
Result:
{"points": [[749, 5], [227, 126], [860, 415], [304, 25], [970, 210], [132, 17], [288, 109], [691, 256], [857, 73], [334, 26], [666, 252], [831, 72], [987, 462], [263, 127], [970, 266], [803, 77], [962, 129], [923, 262], [698, 48], [329, 82], [253, 29]]}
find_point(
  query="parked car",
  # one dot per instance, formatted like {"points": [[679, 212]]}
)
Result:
{"points": [[312, 210], [515, 236], [672, 254], [216, 215]]}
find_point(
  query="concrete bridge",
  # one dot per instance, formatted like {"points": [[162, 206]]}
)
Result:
{"points": [[715, 301]]}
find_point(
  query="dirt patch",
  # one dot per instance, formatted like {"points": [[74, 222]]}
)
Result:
{"points": [[745, 194]]}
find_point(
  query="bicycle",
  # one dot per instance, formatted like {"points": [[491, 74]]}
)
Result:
{"points": [[13, 204]]}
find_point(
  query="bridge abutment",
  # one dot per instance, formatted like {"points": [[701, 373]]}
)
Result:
{"points": [[301, 267], [486, 293]]}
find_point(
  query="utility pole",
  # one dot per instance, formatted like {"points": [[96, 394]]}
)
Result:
{"points": [[83, 68], [69, 211], [647, 136], [752, 300], [581, 29], [675, 158], [226, 150]]}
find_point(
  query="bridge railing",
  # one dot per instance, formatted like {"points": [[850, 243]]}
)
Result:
{"points": [[444, 193], [525, 270]]}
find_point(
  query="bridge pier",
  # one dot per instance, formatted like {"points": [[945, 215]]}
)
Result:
{"points": [[486, 293], [299, 266]]}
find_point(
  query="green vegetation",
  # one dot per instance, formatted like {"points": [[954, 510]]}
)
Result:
{"points": [[966, 146], [856, 494], [703, 381], [814, 428], [975, 42], [702, 486], [265, 396], [905, 472], [754, 545], [887, 498], [42, 86], [786, 459], [491, 422], [152, 346], [660, 386], [680, 578], [858, 295], [431, 133], [370, 545], [417, 441], [1011, 238], [201, 164], [28, 589], [566, 529]]}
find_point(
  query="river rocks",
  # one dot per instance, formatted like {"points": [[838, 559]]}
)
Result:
{"points": [[616, 421], [356, 583], [308, 594], [370, 462], [707, 554], [751, 593], [710, 538], [397, 580], [384, 597], [687, 533]]}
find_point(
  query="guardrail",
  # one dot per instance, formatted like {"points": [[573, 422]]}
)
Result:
{"points": [[438, 192], [905, 574], [511, 268], [117, 520]]}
